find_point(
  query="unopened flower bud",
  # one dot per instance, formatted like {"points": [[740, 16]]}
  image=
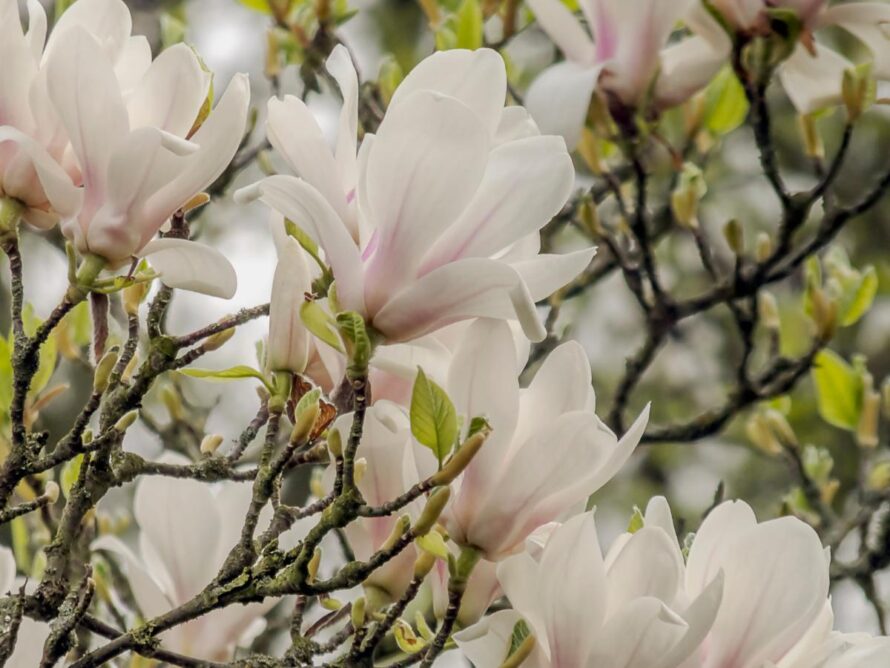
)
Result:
{"points": [[812, 140], [304, 423], [435, 504], [398, 530], [589, 217], [761, 436], [867, 429], [357, 613], [424, 564], [103, 371], [314, 563], [359, 470], [781, 428], [132, 297], [126, 421], [687, 195], [855, 90], [87, 436], [735, 236], [764, 247], [210, 443], [218, 340], [768, 310], [824, 314], [172, 402], [335, 444], [51, 491], [329, 603], [460, 460]]}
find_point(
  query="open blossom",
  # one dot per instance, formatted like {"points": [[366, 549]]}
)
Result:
{"points": [[131, 126], [289, 341], [627, 59], [813, 74], [629, 610], [186, 529], [437, 218], [32, 145], [548, 451]]}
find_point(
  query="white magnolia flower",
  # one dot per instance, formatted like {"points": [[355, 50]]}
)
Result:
{"points": [[628, 60], [186, 529], [547, 452], [31, 634], [437, 218], [629, 610], [32, 144], [813, 75], [131, 123]]}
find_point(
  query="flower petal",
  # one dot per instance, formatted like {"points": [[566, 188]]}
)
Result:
{"points": [[547, 273], [486, 643], [564, 29], [339, 64], [188, 265], [558, 99], [867, 21], [814, 82]]}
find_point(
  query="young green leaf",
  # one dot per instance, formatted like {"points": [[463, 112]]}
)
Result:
{"points": [[838, 390], [232, 373], [433, 418], [725, 103]]}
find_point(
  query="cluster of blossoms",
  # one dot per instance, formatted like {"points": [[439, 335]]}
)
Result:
{"points": [[427, 233]]}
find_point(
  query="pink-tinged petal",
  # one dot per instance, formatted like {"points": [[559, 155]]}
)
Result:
{"points": [[622, 451], [171, 92], [60, 192], [516, 123], [472, 288], [295, 134], [218, 140], [558, 99], [814, 82], [699, 617], [649, 564], [565, 30], [740, 13], [486, 644], [547, 273], [521, 581], [726, 520], [288, 346], [188, 265], [177, 518], [526, 183], [572, 586], [133, 63], [426, 163], [339, 64], [561, 385], [476, 78], [868, 22], [84, 90], [18, 70], [638, 635], [305, 206], [108, 21], [686, 68]]}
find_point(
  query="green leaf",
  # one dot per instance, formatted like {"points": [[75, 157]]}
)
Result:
{"points": [[70, 473], [433, 418], [857, 302], [725, 103], [261, 6], [320, 323], [838, 390], [520, 633], [232, 373], [637, 521], [468, 25], [355, 335]]}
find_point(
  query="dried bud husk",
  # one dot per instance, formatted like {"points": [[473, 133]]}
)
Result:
{"points": [[210, 443], [103, 371], [132, 297], [435, 504], [460, 460], [869, 418]]}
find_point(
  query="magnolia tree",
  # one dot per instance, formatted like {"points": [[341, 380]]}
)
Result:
{"points": [[418, 484]]}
